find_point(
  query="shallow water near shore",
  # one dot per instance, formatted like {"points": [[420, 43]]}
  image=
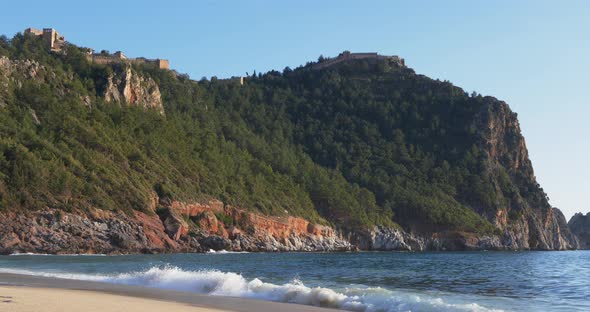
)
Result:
{"points": [[369, 281]]}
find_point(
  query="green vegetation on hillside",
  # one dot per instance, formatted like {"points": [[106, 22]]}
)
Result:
{"points": [[355, 145]]}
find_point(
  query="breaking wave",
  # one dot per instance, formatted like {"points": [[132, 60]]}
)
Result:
{"points": [[219, 283]]}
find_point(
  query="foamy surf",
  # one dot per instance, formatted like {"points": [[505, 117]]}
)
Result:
{"points": [[219, 283], [223, 252], [56, 255]]}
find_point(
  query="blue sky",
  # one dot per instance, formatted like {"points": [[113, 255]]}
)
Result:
{"points": [[532, 54]]}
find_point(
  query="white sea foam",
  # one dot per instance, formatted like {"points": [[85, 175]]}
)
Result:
{"points": [[223, 252], [232, 284]]}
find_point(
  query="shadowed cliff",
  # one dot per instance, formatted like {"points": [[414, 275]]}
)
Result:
{"points": [[579, 224]]}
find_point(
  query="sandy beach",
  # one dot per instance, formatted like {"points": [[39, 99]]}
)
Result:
{"points": [[23, 293], [29, 299]]}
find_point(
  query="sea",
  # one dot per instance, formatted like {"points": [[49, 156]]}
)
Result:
{"points": [[354, 281]]}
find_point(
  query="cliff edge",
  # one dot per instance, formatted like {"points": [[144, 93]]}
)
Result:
{"points": [[521, 210]]}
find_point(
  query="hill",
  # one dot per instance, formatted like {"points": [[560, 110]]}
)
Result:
{"points": [[363, 153]]}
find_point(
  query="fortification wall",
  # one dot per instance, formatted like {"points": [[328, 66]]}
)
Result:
{"points": [[34, 31], [358, 56], [103, 59], [160, 63], [113, 59], [346, 56]]}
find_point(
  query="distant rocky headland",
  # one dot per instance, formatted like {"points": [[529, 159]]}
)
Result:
{"points": [[579, 224], [100, 153]]}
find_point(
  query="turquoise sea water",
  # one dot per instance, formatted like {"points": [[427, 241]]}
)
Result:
{"points": [[370, 281]]}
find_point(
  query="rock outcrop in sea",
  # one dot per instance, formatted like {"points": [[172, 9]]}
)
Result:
{"points": [[579, 224]]}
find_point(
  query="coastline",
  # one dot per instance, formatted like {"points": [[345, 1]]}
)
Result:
{"points": [[22, 293], [51, 231]]}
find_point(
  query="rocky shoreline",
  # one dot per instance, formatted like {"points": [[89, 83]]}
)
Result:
{"points": [[171, 226]]}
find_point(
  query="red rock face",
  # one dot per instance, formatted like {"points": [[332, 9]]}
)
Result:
{"points": [[282, 228], [279, 228], [154, 231], [210, 224]]}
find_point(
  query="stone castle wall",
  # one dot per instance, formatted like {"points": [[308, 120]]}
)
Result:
{"points": [[346, 56], [103, 59], [34, 31], [160, 63], [113, 59]]}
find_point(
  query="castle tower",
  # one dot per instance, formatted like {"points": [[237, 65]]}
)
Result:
{"points": [[53, 39], [163, 64]]}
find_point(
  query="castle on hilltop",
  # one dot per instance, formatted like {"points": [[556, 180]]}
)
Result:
{"points": [[347, 55], [56, 42], [53, 40]]}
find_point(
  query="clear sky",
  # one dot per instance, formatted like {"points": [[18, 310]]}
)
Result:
{"points": [[535, 54]]}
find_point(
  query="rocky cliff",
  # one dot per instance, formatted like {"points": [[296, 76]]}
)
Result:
{"points": [[173, 226], [523, 217], [124, 86], [169, 226], [14, 73], [579, 224], [129, 87], [523, 213]]}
